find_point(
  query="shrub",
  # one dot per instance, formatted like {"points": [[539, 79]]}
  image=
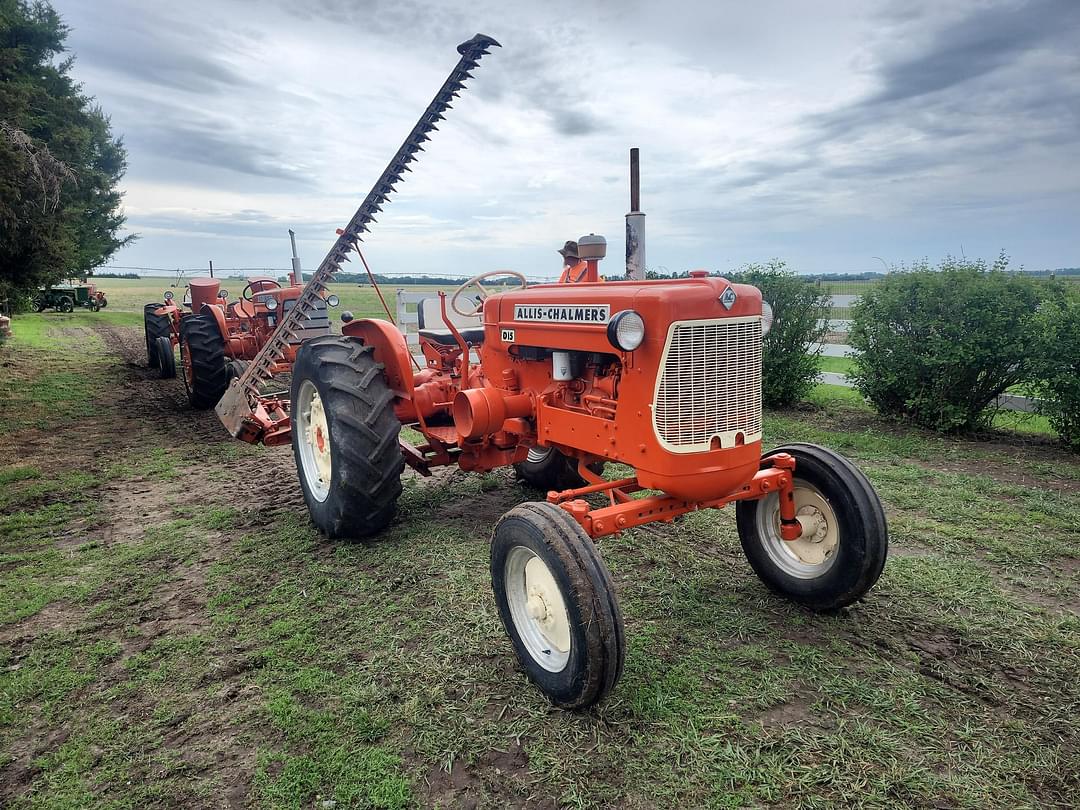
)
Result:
{"points": [[939, 346], [790, 368], [1055, 365]]}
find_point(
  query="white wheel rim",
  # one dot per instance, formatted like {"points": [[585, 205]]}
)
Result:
{"points": [[814, 553], [537, 609], [538, 454], [313, 439]]}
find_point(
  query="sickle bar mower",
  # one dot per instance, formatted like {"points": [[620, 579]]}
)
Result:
{"points": [[246, 414], [663, 377]]}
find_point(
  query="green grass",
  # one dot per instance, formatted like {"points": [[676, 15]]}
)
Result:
{"points": [[205, 646], [838, 365]]}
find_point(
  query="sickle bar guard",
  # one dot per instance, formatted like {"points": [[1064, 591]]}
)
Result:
{"points": [[244, 411]]}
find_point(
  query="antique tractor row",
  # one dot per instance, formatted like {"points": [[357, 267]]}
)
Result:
{"points": [[67, 297], [216, 337], [664, 377]]}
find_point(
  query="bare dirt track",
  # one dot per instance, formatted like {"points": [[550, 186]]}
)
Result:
{"points": [[173, 633]]}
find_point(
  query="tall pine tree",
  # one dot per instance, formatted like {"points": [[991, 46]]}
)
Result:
{"points": [[60, 165]]}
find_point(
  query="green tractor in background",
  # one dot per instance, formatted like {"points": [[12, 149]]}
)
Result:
{"points": [[66, 297]]}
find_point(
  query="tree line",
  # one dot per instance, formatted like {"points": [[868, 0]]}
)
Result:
{"points": [[60, 164]]}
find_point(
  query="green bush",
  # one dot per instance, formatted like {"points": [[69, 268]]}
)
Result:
{"points": [[1055, 365], [939, 346], [790, 368]]}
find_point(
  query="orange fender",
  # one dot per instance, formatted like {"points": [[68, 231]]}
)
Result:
{"points": [[390, 349]]}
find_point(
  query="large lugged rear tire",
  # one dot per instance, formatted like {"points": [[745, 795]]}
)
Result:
{"points": [[345, 437], [845, 540], [154, 326], [203, 350], [558, 605]]}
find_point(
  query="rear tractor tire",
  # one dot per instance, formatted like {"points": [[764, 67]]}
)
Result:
{"points": [[202, 348], [166, 357], [557, 603], [154, 326], [345, 437], [844, 543], [547, 469]]}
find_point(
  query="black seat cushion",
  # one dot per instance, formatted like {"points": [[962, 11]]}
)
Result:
{"points": [[473, 337]]}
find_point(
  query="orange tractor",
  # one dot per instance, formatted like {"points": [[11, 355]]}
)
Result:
{"points": [[558, 379], [217, 337]]}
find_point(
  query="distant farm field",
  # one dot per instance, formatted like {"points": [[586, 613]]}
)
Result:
{"points": [[174, 633], [131, 294]]}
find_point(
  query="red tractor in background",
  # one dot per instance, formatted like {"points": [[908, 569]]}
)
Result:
{"points": [[216, 337]]}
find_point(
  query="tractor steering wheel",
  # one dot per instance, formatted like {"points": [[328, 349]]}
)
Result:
{"points": [[475, 282], [260, 285]]}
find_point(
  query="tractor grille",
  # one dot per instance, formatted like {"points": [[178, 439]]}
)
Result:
{"points": [[709, 384]]}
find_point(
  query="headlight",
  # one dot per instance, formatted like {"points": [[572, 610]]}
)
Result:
{"points": [[626, 330], [271, 303], [223, 294], [766, 317], [168, 295], [332, 300]]}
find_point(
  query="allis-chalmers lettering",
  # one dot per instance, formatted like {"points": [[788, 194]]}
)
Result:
{"points": [[553, 313]]}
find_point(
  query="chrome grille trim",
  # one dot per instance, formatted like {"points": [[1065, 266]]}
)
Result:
{"points": [[709, 384]]}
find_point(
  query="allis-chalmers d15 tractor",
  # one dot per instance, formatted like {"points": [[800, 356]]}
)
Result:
{"points": [[217, 337], [661, 376]]}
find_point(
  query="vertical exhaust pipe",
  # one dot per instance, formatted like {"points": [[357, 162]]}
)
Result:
{"points": [[635, 224], [297, 273]]}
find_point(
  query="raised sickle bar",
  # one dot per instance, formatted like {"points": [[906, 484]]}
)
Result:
{"points": [[774, 476], [241, 409]]}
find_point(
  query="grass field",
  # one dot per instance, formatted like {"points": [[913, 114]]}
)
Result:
{"points": [[174, 633]]}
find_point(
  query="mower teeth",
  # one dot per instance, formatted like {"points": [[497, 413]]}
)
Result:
{"points": [[258, 372]]}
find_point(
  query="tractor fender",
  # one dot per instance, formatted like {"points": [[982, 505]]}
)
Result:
{"points": [[390, 349]]}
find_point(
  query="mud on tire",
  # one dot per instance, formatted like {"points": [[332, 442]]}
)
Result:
{"points": [[203, 347], [345, 437]]}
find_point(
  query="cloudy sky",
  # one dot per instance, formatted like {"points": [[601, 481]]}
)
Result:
{"points": [[826, 134]]}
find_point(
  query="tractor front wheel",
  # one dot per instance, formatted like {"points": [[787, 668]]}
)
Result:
{"points": [[844, 540], [66, 305], [166, 357], [154, 326], [202, 349], [557, 603], [345, 437]]}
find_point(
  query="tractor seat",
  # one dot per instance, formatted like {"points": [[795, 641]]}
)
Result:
{"points": [[428, 312]]}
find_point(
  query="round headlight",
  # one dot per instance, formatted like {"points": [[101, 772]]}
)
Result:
{"points": [[223, 294], [271, 303], [766, 317], [332, 300], [346, 316], [626, 330], [169, 295]]}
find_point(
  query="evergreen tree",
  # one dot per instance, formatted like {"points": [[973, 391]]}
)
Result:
{"points": [[60, 165]]}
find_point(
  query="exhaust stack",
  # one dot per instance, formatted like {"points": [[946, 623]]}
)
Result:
{"points": [[635, 224], [297, 278]]}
